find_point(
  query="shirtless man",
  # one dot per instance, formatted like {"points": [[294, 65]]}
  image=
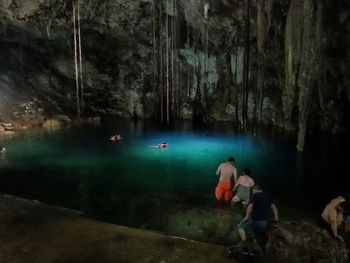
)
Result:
{"points": [[333, 215], [225, 172]]}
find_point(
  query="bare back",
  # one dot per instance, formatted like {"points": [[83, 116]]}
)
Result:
{"points": [[226, 171], [330, 213]]}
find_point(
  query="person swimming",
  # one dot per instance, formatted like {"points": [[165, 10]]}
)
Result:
{"points": [[159, 146], [163, 145], [115, 138]]}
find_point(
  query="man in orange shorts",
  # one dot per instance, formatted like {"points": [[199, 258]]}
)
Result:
{"points": [[223, 191]]}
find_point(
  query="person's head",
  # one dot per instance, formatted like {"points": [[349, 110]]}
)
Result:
{"points": [[246, 171], [231, 160], [341, 201]]}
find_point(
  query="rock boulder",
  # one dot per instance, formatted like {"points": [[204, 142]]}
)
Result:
{"points": [[304, 242]]}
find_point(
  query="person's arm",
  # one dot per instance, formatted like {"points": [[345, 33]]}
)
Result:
{"points": [[235, 174], [248, 213], [218, 170], [236, 184], [251, 182], [274, 211]]}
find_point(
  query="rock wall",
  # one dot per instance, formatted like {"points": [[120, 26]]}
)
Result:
{"points": [[176, 59], [303, 241]]}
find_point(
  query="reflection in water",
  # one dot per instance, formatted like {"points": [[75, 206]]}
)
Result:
{"points": [[2, 155], [2, 158]]}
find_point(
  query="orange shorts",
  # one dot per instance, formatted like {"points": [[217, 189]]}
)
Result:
{"points": [[223, 190]]}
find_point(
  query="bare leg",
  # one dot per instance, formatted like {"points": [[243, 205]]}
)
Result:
{"points": [[241, 233]]}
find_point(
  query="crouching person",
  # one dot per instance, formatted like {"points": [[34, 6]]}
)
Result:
{"points": [[257, 214]]}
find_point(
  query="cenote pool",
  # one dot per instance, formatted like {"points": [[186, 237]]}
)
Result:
{"points": [[129, 183]]}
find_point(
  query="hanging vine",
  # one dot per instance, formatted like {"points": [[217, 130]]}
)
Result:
{"points": [[161, 70], [172, 56], [155, 79], [167, 62], [246, 67], [261, 33], [82, 103], [76, 62], [188, 64]]}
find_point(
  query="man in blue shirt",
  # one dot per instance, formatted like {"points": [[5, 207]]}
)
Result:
{"points": [[257, 213]]}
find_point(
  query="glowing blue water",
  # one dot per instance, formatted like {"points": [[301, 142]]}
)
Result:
{"points": [[79, 167], [189, 162]]}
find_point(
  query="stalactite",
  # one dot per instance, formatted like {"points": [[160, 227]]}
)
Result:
{"points": [[293, 40], [261, 35], [309, 64], [21, 61], [197, 107], [206, 67], [236, 80], [230, 91], [167, 62], [80, 63], [154, 79], [161, 71], [302, 44], [188, 64], [177, 52], [246, 68], [76, 62], [48, 28], [172, 59]]}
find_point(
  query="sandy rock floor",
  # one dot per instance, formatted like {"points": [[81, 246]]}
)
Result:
{"points": [[33, 232]]}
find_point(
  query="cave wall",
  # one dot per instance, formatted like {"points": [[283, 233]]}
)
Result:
{"points": [[177, 59]]}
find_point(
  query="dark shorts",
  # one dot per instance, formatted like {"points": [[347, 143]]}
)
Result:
{"points": [[254, 226]]}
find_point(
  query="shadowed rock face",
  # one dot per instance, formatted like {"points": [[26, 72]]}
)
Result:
{"points": [[181, 59], [304, 242]]}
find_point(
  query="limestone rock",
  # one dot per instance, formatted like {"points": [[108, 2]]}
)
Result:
{"points": [[52, 123], [304, 242], [129, 60]]}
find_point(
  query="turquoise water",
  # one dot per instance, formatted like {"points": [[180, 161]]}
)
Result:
{"points": [[78, 167]]}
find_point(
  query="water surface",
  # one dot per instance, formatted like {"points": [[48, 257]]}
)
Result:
{"points": [[122, 182]]}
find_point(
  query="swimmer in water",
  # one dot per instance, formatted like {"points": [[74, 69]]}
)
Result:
{"points": [[115, 138], [160, 146], [163, 145]]}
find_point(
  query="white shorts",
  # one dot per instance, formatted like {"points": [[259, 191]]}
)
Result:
{"points": [[236, 199]]}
